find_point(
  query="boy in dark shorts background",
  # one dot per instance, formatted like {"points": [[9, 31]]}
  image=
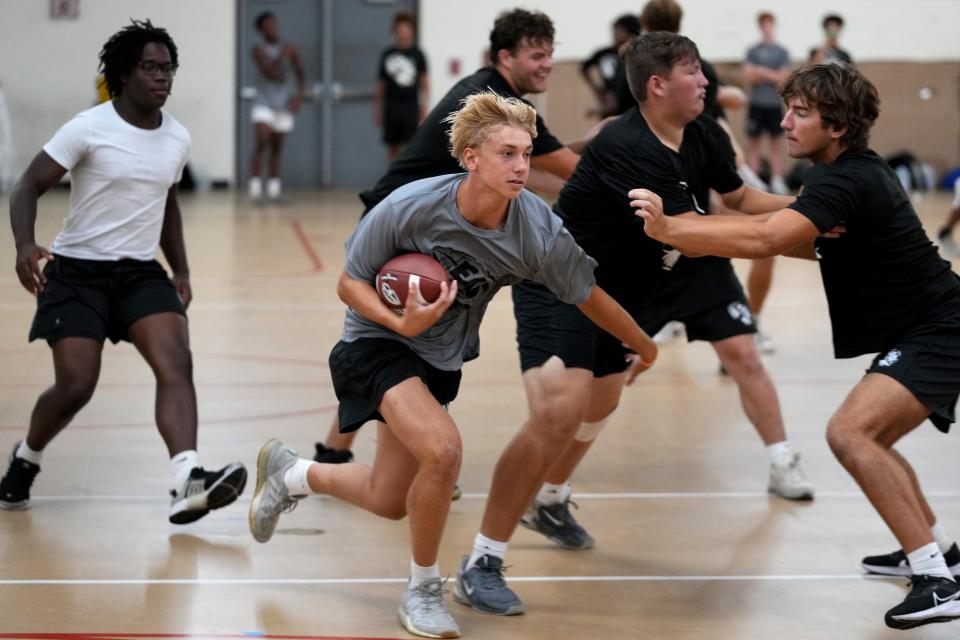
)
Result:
{"points": [[402, 94], [888, 293], [401, 370], [101, 280]]}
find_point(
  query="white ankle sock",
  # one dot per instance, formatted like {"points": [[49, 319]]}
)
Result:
{"points": [[273, 187], [256, 187], [780, 452], [928, 560], [484, 546], [296, 478], [419, 575], [941, 538], [554, 493], [26, 453], [181, 465]]}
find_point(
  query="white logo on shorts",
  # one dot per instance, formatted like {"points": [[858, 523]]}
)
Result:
{"points": [[741, 312], [891, 358], [670, 257]]}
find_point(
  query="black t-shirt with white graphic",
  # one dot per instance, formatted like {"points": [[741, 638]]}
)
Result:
{"points": [[428, 153], [627, 155], [401, 69], [883, 276], [605, 60]]}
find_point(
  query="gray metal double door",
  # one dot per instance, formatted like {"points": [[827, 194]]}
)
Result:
{"points": [[334, 142]]}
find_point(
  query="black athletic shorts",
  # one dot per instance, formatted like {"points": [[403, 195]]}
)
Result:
{"points": [[764, 119], [100, 299], [712, 306], [365, 369], [927, 363], [400, 121]]}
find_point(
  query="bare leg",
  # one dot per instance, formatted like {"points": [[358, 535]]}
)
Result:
{"points": [[337, 440], [558, 399], [775, 155], [415, 469], [739, 357], [163, 341], [262, 133], [276, 149], [758, 283], [76, 364], [603, 402], [877, 413]]}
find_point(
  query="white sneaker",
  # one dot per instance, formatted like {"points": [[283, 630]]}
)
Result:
{"points": [[764, 343], [255, 189], [273, 188], [751, 179], [671, 331], [778, 186], [788, 480], [423, 612]]}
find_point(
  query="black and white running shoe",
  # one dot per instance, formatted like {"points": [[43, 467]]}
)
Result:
{"points": [[896, 564], [931, 599], [205, 491]]}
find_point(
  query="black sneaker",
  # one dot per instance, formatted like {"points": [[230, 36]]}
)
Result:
{"points": [[205, 491], [332, 456], [15, 486], [557, 523], [483, 588], [931, 599], [895, 564]]}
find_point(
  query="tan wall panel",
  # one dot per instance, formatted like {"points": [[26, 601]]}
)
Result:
{"points": [[930, 129]]}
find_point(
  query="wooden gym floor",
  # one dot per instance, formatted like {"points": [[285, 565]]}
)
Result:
{"points": [[689, 545]]}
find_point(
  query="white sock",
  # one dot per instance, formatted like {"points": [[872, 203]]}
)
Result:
{"points": [[484, 546], [928, 560], [24, 452], [554, 493], [941, 538], [273, 187], [181, 465], [296, 477], [780, 452], [419, 575], [256, 187]]}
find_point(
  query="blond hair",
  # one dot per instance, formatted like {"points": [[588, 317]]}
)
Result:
{"points": [[481, 112]]}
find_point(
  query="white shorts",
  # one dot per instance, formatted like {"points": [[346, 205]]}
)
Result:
{"points": [[956, 194], [278, 121]]}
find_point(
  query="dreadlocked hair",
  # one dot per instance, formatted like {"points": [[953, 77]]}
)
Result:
{"points": [[123, 50]]}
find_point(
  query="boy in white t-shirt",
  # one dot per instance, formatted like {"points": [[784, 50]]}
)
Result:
{"points": [[101, 279]]}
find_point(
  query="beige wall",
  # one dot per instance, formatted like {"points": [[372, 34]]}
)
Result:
{"points": [[930, 129]]}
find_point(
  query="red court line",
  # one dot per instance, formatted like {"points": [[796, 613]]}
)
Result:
{"points": [[206, 636], [306, 245]]}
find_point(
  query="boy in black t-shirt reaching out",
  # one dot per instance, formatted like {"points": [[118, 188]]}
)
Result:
{"points": [[888, 292]]}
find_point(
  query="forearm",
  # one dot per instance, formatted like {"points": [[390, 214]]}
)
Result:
{"points": [[606, 313], [172, 243], [730, 236], [753, 202], [23, 213], [360, 296]]}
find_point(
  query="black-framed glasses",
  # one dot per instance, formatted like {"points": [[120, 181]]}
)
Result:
{"points": [[151, 68]]}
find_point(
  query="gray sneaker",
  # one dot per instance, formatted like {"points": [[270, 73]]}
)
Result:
{"points": [[271, 497], [557, 523], [483, 588], [788, 480], [423, 612]]}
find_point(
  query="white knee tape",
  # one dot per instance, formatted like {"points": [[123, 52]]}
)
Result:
{"points": [[589, 431]]}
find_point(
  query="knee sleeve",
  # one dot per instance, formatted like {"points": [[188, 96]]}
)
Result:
{"points": [[589, 431]]}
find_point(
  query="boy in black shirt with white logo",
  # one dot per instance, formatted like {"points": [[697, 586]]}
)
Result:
{"points": [[666, 143], [888, 292]]}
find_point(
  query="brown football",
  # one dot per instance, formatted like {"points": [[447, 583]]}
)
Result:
{"points": [[393, 280]]}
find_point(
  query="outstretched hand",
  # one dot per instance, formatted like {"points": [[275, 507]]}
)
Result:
{"points": [[649, 206], [28, 267], [417, 317]]}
